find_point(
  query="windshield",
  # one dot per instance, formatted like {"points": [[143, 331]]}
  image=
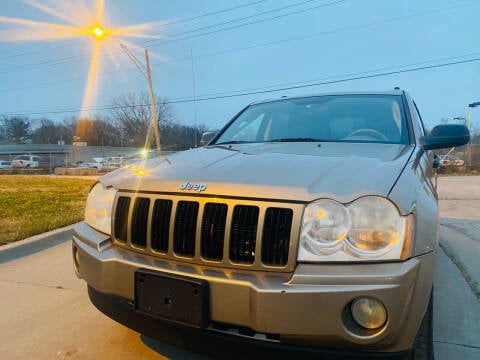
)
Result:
{"points": [[339, 118]]}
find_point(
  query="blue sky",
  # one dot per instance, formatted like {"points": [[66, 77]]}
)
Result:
{"points": [[342, 40]]}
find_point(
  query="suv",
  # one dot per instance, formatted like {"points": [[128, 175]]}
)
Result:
{"points": [[307, 224], [26, 161]]}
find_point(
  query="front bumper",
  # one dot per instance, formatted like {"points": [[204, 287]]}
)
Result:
{"points": [[306, 307]]}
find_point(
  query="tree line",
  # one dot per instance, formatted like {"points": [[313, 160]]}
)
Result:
{"points": [[128, 123]]}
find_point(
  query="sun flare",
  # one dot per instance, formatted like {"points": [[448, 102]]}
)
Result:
{"points": [[80, 18]]}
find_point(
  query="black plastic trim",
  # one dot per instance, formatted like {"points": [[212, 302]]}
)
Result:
{"points": [[172, 193], [218, 345]]}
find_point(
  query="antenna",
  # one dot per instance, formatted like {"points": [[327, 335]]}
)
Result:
{"points": [[194, 100]]}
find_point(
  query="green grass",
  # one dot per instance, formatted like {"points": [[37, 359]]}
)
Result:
{"points": [[31, 205]]}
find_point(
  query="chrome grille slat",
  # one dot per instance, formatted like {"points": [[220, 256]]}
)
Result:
{"points": [[242, 234]]}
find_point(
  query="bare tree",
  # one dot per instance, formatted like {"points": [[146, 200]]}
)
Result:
{"points": [[132, 115], [17, 128], [96, 131], [47, 133]]}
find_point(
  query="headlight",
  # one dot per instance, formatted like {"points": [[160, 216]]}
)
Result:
{"points": [[369, 228], [376, 227], [98, 211], [324, 227]]}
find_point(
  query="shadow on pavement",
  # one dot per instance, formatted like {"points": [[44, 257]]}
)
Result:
{"points": [[168, 351]]}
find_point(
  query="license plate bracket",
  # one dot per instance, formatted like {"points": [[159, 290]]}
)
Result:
{"points": [[172, 297]]}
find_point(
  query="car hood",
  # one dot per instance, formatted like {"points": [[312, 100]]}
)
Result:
{"points": [[286, 171]]}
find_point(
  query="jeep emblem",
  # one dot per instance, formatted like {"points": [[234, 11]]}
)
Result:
{"points": [[194, 187]]}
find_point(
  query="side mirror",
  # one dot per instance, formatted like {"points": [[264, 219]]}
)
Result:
{"points": [[446, 136], [206, 137]]}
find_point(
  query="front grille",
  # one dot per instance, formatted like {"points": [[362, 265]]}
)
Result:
{"points": [[213, 231], [276, 236], [185, 228], [138, 230], [121, 217], [243, 235], [200, 230], [161, 224]]}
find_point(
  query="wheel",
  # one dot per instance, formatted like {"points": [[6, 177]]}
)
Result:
{"points": [[423, 346]]}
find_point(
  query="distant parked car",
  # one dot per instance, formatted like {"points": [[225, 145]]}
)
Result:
{"points": [[5, 164], [450, 160], [97, 163], [26, 161], [113, 162], [51, 162]]}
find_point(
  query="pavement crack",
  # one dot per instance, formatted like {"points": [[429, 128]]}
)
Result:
{"points": [[457, 344], [458, 228], [57, 287], [474, 286]]}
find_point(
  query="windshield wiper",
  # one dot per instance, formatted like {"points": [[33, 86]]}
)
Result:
{"points": [[233, 142], [297, 140]]}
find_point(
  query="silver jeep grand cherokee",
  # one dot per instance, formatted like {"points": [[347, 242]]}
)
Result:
{"points": [[307, 225]]}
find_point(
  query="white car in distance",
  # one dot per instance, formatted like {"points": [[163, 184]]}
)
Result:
{"points": [[25, 161]]}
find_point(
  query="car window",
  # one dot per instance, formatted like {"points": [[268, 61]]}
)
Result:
{"points": [[343, 118]]}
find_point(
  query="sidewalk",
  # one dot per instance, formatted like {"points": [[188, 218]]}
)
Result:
{"points": [[459, 202], [460, 239], [35, 244]]}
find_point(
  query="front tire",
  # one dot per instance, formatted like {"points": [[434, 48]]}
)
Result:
{"points": [[423, 346]]}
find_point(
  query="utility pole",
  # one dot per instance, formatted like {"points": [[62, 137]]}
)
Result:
{"points": [[194, 99], [145, 70], [469, 145], [153, 109], [469, 125]]}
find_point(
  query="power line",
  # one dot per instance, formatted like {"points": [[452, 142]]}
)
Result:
{"points": [[348, 74], [164, 24], [40, 51], [302, 37], [355, 27], [147, 42], [211, 13], [333, 81], [329, 32], [103, 53], [247, 93]]}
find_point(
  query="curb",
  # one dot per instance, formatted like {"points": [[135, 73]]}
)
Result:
{"points": [[35, 244]]}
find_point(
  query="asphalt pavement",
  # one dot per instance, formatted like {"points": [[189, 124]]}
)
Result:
{"points": [[45, 312]]}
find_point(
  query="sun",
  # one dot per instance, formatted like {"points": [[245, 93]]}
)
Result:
{"points": [[98, 31]]}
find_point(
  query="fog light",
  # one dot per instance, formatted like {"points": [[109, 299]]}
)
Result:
{"points": [[369, 313]]}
